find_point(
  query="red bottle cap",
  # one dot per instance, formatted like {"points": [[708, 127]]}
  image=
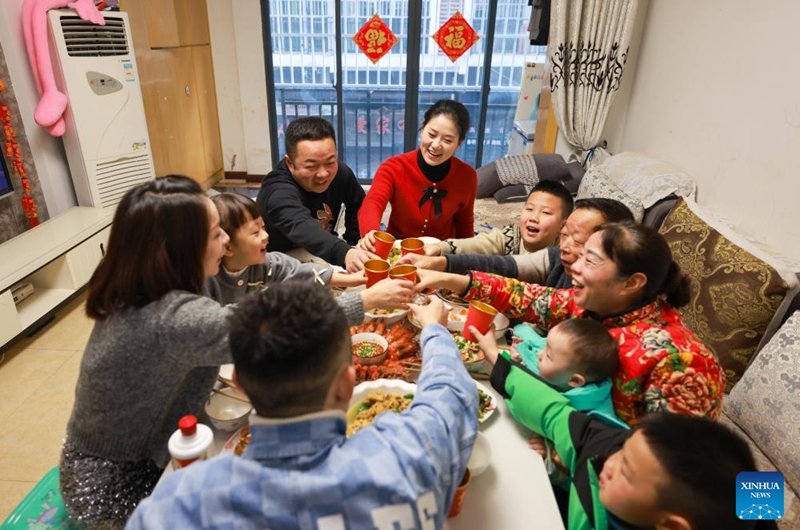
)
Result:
{"points": [[188, 425]]}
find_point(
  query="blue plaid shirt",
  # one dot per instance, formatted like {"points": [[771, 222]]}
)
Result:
{"points": [[400, 472]]}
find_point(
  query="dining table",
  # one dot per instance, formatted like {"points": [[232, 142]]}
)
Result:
{"points": [[513, 493]]}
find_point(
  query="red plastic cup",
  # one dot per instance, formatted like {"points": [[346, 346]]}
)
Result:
{"points": [[412, 245], [376, 270], [458, 498], [384, 241], [479, 315], [403, 272]]}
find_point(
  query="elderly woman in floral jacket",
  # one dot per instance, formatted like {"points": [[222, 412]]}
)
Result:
{"points": [[626, 279]]}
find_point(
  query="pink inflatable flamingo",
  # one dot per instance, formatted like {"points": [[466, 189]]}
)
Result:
{"points": [[52, 104]]}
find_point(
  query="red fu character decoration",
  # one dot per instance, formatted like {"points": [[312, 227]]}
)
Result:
{"points": [[375, 38], [455, 37]]}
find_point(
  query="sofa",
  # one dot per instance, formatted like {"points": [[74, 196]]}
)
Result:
{"points": [[743, 294]]}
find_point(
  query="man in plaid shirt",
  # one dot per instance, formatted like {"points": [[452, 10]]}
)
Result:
{"points": [[291, 348]]}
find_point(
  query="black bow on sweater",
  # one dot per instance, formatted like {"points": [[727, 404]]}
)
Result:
{"points": [[437, 194]]}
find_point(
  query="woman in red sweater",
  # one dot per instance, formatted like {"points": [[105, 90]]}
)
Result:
{"points": [[432, 193]]}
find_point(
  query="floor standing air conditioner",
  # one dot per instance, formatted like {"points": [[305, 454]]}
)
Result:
{"points": [[106, 139]]}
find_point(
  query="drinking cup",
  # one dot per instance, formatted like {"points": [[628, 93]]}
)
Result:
{"points": [[403, 272], [383, 244], [458, 498], [479, 315], [412, 245], [376, 270]]}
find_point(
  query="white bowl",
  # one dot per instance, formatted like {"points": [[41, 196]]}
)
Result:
{"points": [[380, 340], [501, 322], [226, 413], [481, 455]]}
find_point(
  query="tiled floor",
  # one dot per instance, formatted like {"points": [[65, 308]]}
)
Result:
{"points": [[37, 385]]}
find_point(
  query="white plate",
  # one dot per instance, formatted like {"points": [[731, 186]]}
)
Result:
{"points": [[230, 445], [401, 388], [391, 318], [492, 404]]}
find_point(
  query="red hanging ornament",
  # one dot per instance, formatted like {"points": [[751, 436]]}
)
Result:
{"points": [[8, 130], [4, 113], [455, 36], [19, 167], [28, 204], [375, 39], [2, 85]]}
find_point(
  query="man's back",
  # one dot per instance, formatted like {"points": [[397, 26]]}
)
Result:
{"points": [[304, 473]]}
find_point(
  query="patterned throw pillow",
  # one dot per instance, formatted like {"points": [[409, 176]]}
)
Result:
{"points": [[596, 184], [766, 402], [738, 294], [647, 178]]}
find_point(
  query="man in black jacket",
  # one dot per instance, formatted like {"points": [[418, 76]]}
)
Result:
{"points": [[302, 197]]}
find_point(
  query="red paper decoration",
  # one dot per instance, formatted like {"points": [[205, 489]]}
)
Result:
{"points": [[455, 37], [375, 38], [13, 152]]}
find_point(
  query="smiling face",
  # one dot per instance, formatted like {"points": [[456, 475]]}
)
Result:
{"points": [[315, 164], [579, 226], [540, 221], [217, 241], [248, 245], [596, 283], [439, 140], [629, 483]]}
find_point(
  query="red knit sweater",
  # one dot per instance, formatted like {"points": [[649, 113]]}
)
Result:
{"points": [[400, 181]]}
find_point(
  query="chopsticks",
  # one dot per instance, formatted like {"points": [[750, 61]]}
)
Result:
{"points": [[229, 383], [230, 395]]}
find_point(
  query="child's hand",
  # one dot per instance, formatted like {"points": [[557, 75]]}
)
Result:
{"points": [[367, 242], [340, 279], [388, 294], [487, 342], [537, 443], [514, 354]]}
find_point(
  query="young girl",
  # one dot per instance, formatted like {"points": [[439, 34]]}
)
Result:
{"points": [[153, 354], [247, 267]]}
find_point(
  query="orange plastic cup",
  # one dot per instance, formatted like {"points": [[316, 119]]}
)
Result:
{"points": [[479, 315], [403, 272], [412, 245], [458, 498], [384, 241], [376, 270]]}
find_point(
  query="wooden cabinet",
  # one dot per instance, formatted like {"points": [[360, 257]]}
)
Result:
{"points": [[57, 257], [173, 54]]}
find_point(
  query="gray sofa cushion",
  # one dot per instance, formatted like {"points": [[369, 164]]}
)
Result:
{"points": [[766, 402]]}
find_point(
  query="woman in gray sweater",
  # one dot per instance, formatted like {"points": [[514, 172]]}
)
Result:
{"points": [[153, 354]]}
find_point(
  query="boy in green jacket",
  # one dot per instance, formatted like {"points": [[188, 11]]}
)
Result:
{"points": [[672, 472]]}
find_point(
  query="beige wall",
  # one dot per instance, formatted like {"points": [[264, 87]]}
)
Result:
{"points": [[716, 92], [238, 50]]}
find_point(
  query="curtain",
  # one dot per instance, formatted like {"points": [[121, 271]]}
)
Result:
{"points": [[588, 49]]}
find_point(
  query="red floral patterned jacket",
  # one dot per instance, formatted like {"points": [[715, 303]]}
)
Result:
{"points": [[663, 365]]}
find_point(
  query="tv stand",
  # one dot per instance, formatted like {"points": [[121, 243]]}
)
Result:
{"points": [[58, 257]]}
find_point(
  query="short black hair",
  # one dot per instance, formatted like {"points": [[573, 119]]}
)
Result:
{"points": [[454, 110], [612, 210], [558, 190], [288, 343], [310, 128], [701, 459], [594, 350]]}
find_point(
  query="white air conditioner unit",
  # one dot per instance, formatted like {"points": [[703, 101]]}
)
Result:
{"points": [[106, 139]]}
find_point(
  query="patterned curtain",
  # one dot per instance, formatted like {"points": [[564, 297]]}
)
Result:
{"points": [[588, 48]]}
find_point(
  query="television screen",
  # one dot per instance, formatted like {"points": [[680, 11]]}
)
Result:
{"points": [[5, 178]]}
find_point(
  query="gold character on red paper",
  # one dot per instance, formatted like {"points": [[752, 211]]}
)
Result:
{"points": [[4, 113], [19, 167], [8, 130], [375, 40], [455, 39]]}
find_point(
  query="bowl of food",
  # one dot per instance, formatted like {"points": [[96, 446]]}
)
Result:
{"points": [[368, 348], [372, 398], [227, 413], [471, 353], [481, 455], [390, 315], [451, 298], [458, 316], [486, 403]]}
